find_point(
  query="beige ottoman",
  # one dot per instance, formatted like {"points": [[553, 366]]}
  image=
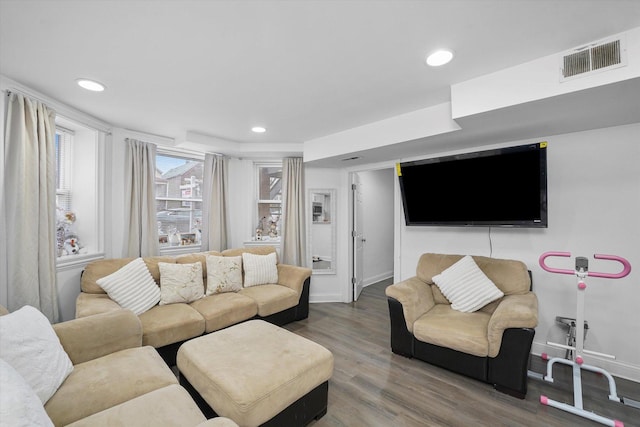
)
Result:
{"points": [[257, 374]]}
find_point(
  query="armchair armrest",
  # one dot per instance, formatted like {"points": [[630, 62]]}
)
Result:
{"points": [[415, 296], [514, 311], [88, 338], [293, 276]]}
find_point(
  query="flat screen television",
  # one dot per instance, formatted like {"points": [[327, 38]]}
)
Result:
{"points": [[505, 187]]}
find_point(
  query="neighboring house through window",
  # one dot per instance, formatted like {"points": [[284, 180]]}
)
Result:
{"points": [[269, 199], [178, 199]]}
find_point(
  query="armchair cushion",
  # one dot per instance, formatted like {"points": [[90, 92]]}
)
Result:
{"points": [[466, 286], [446, 327], [415, 296]]}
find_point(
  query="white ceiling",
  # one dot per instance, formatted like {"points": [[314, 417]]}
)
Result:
{"points": [[303, 69]]}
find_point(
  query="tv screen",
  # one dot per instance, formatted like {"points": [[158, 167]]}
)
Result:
{"points": [[505, 187]]}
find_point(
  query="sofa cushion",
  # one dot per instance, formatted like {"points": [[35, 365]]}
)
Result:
{"points": [[98, 269], [89, 304], [108, 381], [256, 250], [226, 309], [466, 286], [271, 298], [259, 269], [167, 406], [167, 324], [446, 327], [20, 406], [132, 286], [224, 274], [30, 345], [180, 283]]}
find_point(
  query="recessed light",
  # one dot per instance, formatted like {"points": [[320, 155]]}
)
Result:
{"points": [[258, 129], [91, 85], [439, 57]]}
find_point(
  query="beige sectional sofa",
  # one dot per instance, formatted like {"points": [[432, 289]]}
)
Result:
{"points": [[165, 327], [116, 381]]}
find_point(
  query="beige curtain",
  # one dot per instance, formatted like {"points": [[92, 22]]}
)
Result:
{"points": [[293, 249], [141, 228], [214, 204], [29, 206]]}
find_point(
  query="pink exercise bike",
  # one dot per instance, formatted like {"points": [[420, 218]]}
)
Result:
{"points": [[577, 351]]}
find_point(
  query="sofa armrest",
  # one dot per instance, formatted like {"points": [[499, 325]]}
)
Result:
{"points": [[293, 276], [88, 338], [514, 311], [90, 304], [415, 296]]}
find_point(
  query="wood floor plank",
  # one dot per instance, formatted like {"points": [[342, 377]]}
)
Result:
{"points": [[373, 387]]}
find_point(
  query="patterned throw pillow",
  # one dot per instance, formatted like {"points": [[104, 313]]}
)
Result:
{"points": [[132, 287], [180, 282], [224, 274], [259, 269], [466, 286]]}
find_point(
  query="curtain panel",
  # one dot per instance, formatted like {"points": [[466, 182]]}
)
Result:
{"points": [[29, 206], [214, 204], [293, 241], [141, 226]]}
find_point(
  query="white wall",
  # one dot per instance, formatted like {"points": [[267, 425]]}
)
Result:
{"points": [[594, 207], [377, 222]]}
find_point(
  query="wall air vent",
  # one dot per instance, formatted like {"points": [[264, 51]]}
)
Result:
{"points": [[600, 56]]}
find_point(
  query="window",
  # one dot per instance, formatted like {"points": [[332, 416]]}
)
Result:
{"points": [[63, 144], [269, 200], [79, 191], [178, 199]]}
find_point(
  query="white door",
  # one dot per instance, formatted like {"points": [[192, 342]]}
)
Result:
{"points": [[358, 238]]}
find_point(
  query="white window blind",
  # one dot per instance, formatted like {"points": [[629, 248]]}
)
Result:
{"points": [[63, 148]]}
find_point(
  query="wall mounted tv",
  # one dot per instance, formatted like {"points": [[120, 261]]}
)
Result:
{"points": [[505, 187]]}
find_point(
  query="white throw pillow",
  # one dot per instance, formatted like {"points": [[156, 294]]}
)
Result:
{"points": [[466, 286], [259, 269], [132, 287], [19, 404], [224, 274], [180, 282], [30, 345]]}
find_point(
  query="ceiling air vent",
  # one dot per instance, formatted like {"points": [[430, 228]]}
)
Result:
{"points": [[595, 57]]}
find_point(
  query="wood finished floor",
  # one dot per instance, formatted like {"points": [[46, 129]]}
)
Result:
{"points": [[371, 386]]}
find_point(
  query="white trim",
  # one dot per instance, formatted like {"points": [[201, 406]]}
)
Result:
{"points": [[60, 108], [377, 278], [70, 262]]}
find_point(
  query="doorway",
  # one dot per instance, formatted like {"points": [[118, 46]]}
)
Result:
{"points": [[372, 228]]}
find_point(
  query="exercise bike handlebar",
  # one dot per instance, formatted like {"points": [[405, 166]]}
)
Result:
{"points": [[625, 270]]}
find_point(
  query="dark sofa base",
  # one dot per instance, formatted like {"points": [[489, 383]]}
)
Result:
{"points": [[507, 372], [311, 406], [298, 312]]}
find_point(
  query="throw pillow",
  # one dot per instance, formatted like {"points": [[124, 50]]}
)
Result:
{"points": [[224, 274], [132, 287], [259, 269], [180, 282], [30, 345], [19, 404], [466, 286]]}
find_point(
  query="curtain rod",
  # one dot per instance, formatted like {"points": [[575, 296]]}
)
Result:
{"points": [[79, 121]]}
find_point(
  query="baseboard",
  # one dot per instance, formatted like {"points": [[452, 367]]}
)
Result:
{"points": [[614, 367], [325, 298], [377, 278]]}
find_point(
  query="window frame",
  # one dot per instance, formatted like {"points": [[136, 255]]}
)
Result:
{"points": [[166, 247], [259, 224]]}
